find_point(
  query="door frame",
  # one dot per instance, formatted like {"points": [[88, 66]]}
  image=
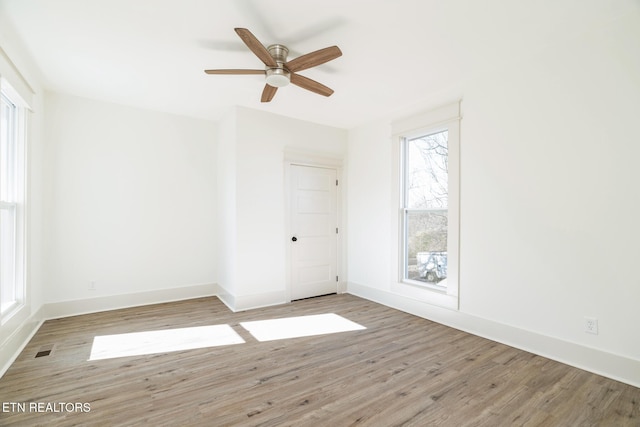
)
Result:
{"points": [[301, 158]]}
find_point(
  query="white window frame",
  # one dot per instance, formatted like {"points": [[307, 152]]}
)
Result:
{"points": [[13, 290], [447, 118]]}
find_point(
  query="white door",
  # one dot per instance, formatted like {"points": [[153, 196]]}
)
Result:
{"points": [[313, 228]]}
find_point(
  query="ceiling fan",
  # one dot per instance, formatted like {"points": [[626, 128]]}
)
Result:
{"points": [[278, 71]]}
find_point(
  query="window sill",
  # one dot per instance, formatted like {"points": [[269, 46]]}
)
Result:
{"points": [[426, 285], [430, 294], [9, 310]]}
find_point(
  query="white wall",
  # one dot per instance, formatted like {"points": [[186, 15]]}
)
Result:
{"points": [[549, 202], [552, 151], [132, 199], [370, 205], [260, 143], [226, 207]]}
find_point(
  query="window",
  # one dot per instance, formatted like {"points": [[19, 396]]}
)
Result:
{"points": [[428, 171], [425, 210], [12, 177]]}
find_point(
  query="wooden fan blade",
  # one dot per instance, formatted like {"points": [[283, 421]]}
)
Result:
{"points": [[314, 58], [256, 47], [234, 71], [311, 85], [268, 93]]}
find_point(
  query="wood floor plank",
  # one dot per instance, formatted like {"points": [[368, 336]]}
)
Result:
{"points": [[400, 370]]}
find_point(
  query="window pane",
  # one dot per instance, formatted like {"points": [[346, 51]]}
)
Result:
{"points": [[426, 237], [7, 257], [7, 150], [427, 172]]}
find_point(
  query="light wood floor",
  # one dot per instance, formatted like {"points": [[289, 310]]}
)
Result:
{"points": [[401, 370]]}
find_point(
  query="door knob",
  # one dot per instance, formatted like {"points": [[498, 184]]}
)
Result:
{"points": [[294, 239]]}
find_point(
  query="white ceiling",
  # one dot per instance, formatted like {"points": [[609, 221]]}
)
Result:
{"points": [[396, 53]]}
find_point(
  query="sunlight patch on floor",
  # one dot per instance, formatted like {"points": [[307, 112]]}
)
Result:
{"points": [[164, 341], [302, 326]]}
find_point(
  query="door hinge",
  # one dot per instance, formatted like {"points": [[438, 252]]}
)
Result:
{"points": [[336, 182], [336, 278], [336, 230]]}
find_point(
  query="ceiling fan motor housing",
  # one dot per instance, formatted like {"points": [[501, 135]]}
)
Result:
{"points": [[278, 76]]}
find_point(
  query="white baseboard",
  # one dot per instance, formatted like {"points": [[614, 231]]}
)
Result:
{"points": [[113, 302], [616, 367], [226, 298], [238, 303], [267, 299], [13, 346]]}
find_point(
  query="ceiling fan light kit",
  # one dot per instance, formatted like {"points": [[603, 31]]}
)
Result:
{"points": [[278, 77], [278, 71]]}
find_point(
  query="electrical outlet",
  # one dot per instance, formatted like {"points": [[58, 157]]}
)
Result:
{"points": [[92, 285], [591, 325]]}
